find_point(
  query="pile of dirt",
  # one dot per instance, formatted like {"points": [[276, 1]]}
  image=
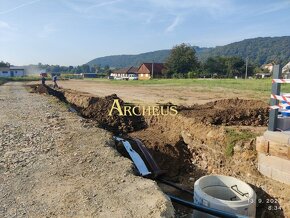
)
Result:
{"points": [[41, 89], [229, 112], [45, 89], [96, 108]]}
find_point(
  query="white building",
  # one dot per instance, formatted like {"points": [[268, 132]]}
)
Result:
{"points": [[286, 71], [268, 67], [11, 72]]}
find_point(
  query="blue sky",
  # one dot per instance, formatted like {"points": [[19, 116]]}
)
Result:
{"points": [[72, 32]]}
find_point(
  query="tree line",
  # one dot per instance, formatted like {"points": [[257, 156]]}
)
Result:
{"points": [[183, 63], [85, 68]]}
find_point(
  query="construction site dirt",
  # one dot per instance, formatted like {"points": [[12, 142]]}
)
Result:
{"points": [[217, 137]]}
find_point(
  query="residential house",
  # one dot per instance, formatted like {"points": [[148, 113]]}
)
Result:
{"points": [[12, 71], [125, 73], [268, 67], [150, 70], [286, 71], [4, 72]]}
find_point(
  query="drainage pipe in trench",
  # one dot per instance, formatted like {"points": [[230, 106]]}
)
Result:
{"points": [[144, 171], [211, 211]]}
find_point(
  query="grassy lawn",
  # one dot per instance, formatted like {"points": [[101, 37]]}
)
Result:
{"points": [[256, 85], [3, 80], [18, 79]]}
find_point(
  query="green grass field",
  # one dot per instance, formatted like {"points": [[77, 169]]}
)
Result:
{"points": [[3, 80], [260, 87], [255, 85], [18, 79]]}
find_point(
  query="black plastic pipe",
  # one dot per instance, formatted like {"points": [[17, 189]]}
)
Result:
{"points": [[175, 186], [211, 211]]}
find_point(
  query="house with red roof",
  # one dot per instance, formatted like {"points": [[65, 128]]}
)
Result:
{"points": [[150, 70]]}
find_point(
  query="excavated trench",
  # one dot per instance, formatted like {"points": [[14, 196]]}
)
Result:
{"points": [[188, 145]]}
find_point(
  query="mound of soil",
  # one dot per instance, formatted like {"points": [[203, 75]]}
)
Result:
{"points": [[96, 108], [41, 89], [229, 112], [45, 89]]}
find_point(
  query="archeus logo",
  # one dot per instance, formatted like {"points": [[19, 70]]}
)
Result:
{"points": [[141, 110]]}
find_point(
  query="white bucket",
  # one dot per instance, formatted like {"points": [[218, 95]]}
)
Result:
{"points": [[224, 193]]}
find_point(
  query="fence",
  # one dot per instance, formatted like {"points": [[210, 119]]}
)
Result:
{"points": [[276, 97]]}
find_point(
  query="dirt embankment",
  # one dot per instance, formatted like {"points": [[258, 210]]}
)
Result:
{"points": [[195, 142], [197, 136], [192, 144], [229, 112], [97, 109]]}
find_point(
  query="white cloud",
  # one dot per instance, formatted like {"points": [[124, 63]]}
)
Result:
{"points": [[173, 25], [180, 6], [101, 4], [18, 6], [269, 8], [86, 5]]}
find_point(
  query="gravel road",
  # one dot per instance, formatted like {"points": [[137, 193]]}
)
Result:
{"points": [[55, 164]]}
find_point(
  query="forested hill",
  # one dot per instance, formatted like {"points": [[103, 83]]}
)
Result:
{"points": [[259, 50], [130, 60], [135, 60]]}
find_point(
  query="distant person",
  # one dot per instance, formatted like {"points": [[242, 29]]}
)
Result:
{"points": [[54, 79], [43, 80]]}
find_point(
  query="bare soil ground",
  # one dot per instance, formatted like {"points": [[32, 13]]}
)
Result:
{"points": [[229, 112], [194, 143], [54, 163], [179, 95]]}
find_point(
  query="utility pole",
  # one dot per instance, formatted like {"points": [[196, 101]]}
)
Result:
{"points": [[152, 70], [247, 60]]}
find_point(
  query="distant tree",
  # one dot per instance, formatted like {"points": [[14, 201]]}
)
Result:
{"points": [[70, 69], [85, 68], [107, 70], [181, 60], [214, 65], [93, 69], [225, 66], [55, 68], [235, 66], [4, 64], [98, 68], [78, 70]]}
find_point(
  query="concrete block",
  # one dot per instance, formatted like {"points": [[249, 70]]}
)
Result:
{"points": [[274, 167], [281, 176], [279, 137]]}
